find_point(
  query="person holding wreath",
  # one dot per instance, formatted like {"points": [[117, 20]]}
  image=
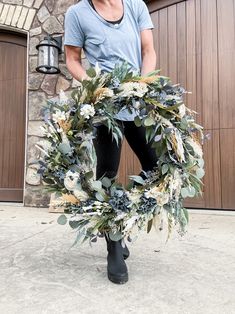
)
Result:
{"points": [[112, 32]]}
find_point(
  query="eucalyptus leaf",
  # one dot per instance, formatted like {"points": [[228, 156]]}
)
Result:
{"points": [[91, 72], [89, 175], [191, 191], [99, 197], [149, 121], [184, 192], [106, 182], [186, 214], [165, 168], [96, 185], [64, 148], [74, 224], [150, 224], [115, 236], [137, 121], [200, 173], [137, 179], [62, 220]]}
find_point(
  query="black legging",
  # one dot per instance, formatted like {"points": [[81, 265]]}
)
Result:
{"points": [[109, 153]]}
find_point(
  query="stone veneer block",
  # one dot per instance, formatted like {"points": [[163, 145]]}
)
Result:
{"points": [[50, 4], [13, 1], [37, 4], [33, 63], [22, 17], [29, 19], [35, 197], [34, 81], [32, 177], [33, 42], [35, 31], [61, 6], [28, 3], [10, 15], [62, 84], [32, 151], [52, 25], [43, 14], [37, 100], [34, 128], [4, 14], [16, 15], [49, 83]]}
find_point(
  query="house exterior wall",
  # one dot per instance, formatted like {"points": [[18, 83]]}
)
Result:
{"points": [[37, 18]]}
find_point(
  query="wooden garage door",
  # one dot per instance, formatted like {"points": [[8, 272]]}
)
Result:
{"points": [[13, 54], [195, 45]]}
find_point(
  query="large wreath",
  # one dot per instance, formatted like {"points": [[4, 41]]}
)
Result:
{"points": [[68, 164]]}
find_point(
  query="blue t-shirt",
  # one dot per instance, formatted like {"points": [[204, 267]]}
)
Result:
{"points": [[108, 43]]}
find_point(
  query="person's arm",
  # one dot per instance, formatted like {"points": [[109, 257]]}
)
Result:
{"points": [[73, 62], [148, 52]]}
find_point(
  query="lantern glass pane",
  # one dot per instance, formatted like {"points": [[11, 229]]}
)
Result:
{"points": [[43, 56], [54, 57]]}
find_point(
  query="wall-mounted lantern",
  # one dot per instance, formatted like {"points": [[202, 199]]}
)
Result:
{"points": [[48, 54]]}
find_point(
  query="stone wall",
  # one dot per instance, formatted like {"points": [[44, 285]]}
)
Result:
{"points": [[38, 17]]}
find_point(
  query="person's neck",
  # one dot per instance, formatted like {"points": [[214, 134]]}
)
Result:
{"points": [[105, 2]]}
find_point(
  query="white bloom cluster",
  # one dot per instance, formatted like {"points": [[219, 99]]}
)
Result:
{"points": [[87, 111], [134, 195], [131, 89], [71, 180], [80, 195], [60, 115]]}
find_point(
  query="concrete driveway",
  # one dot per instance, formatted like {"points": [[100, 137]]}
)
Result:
{"points": [[40, 273]]}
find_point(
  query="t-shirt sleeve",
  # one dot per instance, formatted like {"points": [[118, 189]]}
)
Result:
{"points": [[73, 33], [144, 18]]}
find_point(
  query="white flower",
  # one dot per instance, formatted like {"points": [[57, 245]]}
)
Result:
{"points": [[131, 89], [98, 204], [87, 111], [80, 195], [71, 180], [134, 195], [195, 146], [182, 110], [63, 97], [59, 115]]}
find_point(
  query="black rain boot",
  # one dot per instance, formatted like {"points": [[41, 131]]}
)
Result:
{"points": [[117, 269], [125, 251]]}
